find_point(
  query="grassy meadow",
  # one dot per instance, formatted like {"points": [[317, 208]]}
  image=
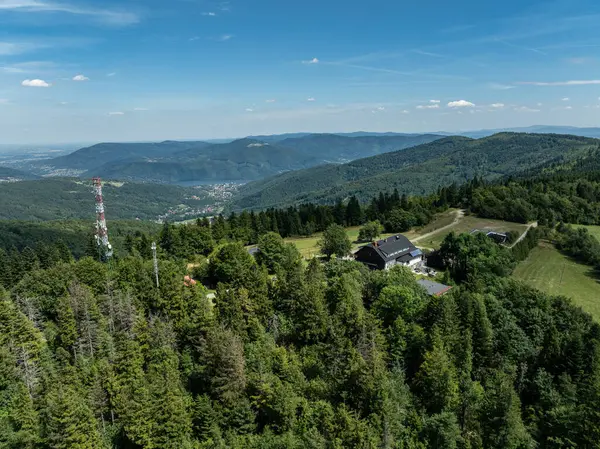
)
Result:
{"points": [[552, 272]]}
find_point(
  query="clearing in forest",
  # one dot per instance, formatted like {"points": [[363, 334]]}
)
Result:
{"points": [[549, 270]]}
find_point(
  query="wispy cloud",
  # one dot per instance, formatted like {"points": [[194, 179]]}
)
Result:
{"points": [[520, 47], [35, 83], [111, 74], [80, 78], [311, 61], [116, 113], [526, 109], [310, 99], [140, 109], [497, 105], [428, 106], [4, 101], [498, 86], [224, 37], [371, 69], [249, 110], [28, 67], [461, 104], [566, 99], [434, 101], [560, 83], [209, 14], [270, 101], [427, 53], [107, 16], [16, 48]]}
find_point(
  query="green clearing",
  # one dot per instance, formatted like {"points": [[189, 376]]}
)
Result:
{"points": [[309, 246], [594, 230], [552, 272], [469, 223]]}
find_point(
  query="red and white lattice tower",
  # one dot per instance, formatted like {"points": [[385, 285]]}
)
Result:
{"points": [[104, 246]]}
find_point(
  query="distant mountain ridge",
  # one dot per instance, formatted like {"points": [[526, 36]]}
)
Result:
{"points": [[419, 171], [241, 160]]}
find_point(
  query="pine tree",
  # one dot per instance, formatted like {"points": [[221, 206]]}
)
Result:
{"points": [[69, 421]]}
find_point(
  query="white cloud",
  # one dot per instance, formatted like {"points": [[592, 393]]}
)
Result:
{"points": [[434, 101], [111, 74], [35, 83], [249, 110], [561, 83], [381, 108], [566, 99], [224, 37], [140, 109], [312, 61], [108, 16], [80, 78], [526, 109], [270, 101], [116, 113], [404, 112], [310, 99], [569, 107], [428, 106], [497, 105], [460, 104], [64, 103], [209, 14]]}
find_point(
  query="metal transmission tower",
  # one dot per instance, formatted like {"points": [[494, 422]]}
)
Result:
{"points": [[155, 262], [104, 246]]}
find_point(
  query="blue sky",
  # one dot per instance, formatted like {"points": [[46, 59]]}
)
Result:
{"points": [[85, 71]]}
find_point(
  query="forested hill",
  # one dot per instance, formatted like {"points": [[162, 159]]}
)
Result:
{"points": [[104, 153], [59, 198], [243, 159], [10, 173], [420, 170]]}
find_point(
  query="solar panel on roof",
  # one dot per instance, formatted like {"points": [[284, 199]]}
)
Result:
{"points": [[416, 253]]}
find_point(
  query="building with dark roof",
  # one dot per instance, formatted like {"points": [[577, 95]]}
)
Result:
{"points": [[434, 288], [386, 253]]}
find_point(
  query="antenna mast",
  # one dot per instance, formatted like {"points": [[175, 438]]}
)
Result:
{"points": [[155, 262], [104, 246]]}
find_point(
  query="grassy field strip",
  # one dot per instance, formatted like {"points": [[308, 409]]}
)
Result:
{"points": [[550, 271], [467, 224]]}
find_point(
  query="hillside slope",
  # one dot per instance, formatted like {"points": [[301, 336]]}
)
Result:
{"points": [[95, 156], [418, 171], [58, 198], [11, 173], [241, 160]]}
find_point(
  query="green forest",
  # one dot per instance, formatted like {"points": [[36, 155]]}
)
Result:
{"points": [[232, 350], [288, 353], [69, 199], [419, 171]]}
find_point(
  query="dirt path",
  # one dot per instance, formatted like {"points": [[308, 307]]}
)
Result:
{"points": [[460, 214], [520, 239]]}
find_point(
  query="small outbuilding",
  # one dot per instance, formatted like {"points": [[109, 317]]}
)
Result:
{"points": [[434, 288]]}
